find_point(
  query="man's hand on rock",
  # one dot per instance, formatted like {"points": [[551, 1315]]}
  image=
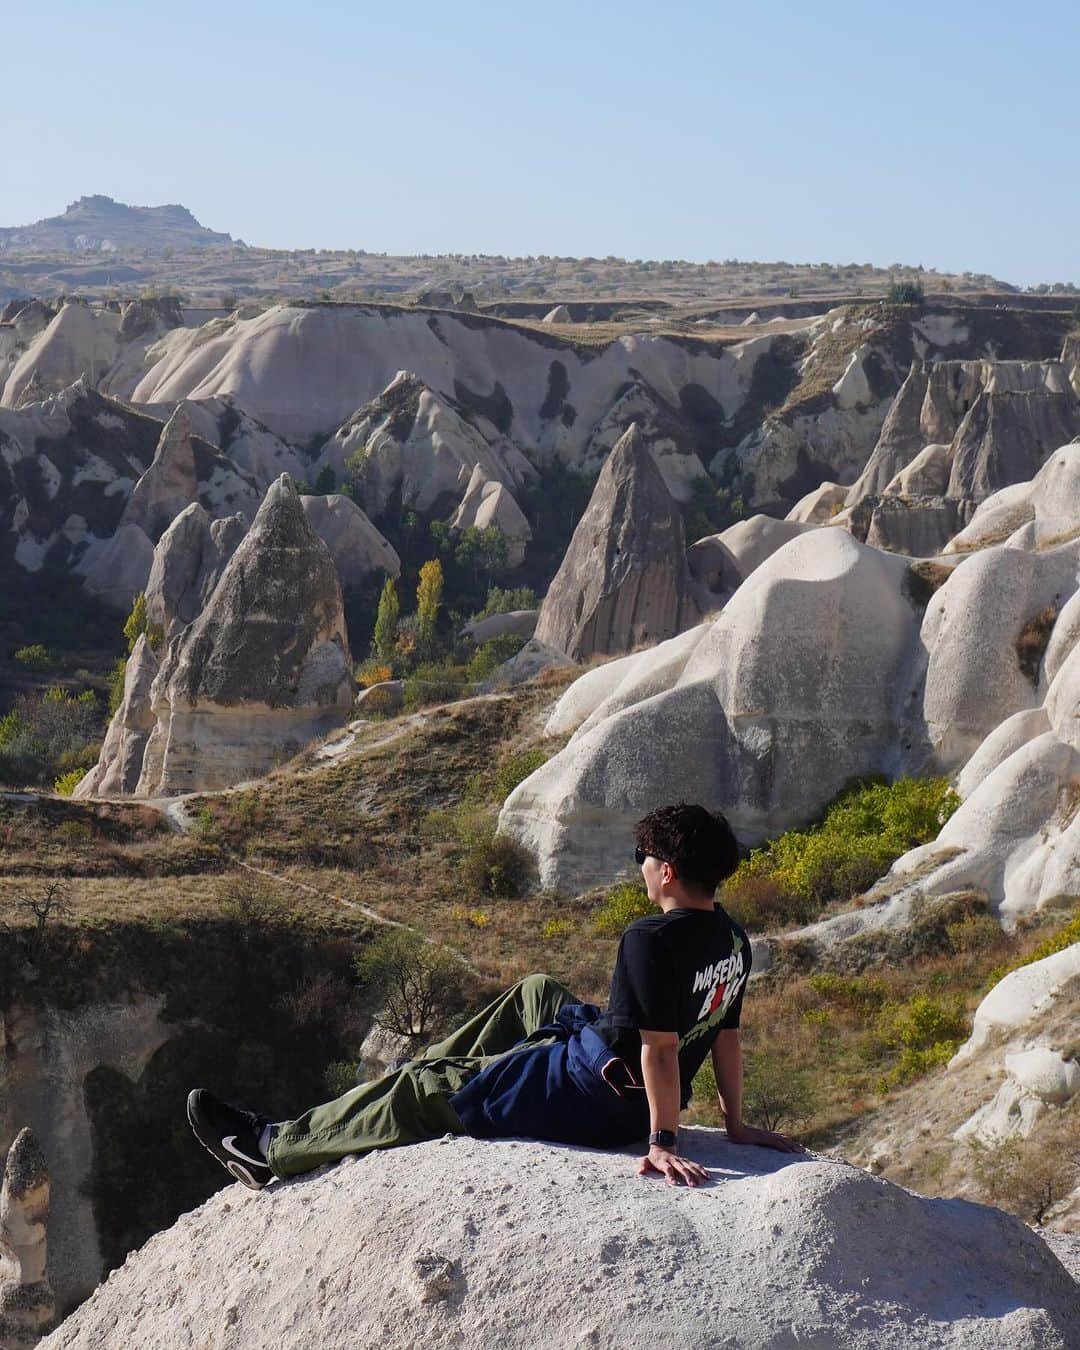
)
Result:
{"points": [[750, 1134], [675, 1169]]}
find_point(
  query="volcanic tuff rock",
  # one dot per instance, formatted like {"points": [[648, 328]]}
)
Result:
{"points": [[674, 437], [355, 545], [188, 562], [27, 1306], [263, 670], [121, 759], [414, 447], [799, 669], [186, 469], [624, 579], [862, 1264], [487, 504], [100, 224]]}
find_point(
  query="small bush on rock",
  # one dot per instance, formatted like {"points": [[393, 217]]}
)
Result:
{"points": [[493, 654], [35, 657]]}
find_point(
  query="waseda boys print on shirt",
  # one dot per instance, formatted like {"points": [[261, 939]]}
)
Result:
{"points": [[683, 971]]}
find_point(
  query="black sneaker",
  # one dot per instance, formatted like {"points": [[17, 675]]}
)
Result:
{"points": [[231, 1135]]}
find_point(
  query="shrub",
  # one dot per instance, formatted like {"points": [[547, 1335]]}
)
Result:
{"points": [[762, 902], [556, 928], [434, 684], [493, 653], [624, 903], [501, 601], [1033, 640], [905, 293], [386, 621], [516, 769], [864, 830], [340, 1077], [496, 866], [372, 672], [138, 622], [775, 1093], [926, 1031], [859, 992], [35, 657], [418, 982], [44, 735], [116, 684], [66, 784]]}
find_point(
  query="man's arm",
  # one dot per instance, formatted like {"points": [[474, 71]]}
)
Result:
{"points": [[728, 1067], [660, 1070]]}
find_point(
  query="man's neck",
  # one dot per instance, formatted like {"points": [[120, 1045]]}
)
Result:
{"points": [[706, 903]]}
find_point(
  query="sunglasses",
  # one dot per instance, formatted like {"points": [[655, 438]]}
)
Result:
{"points": [[640, 855]]}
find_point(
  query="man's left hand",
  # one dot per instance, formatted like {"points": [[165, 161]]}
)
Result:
{"points": [[750, 1134]]}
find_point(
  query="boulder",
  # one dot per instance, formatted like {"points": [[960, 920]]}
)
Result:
{"points": [[819, 505], [264, 669], [388, 696], [121, 759], [788, 694], [518, 622], [486, 505], [356, 546], [623, 580], [477, 1242], [187, 469], [560, 314], [1035, 1078], [27, 1305], [1019, 997], [751, 541], [534, 658], [927, 475]]}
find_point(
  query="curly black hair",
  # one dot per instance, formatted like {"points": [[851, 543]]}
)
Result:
{"points": [[699, 844]]}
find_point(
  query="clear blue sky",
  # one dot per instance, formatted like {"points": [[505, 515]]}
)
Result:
{"points": [[841, 132]]}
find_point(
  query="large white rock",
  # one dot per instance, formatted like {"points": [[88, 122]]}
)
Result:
{"points": [[120, 763], [117, 568], [1022, 995], [81, 341], [355, 545], [766, 722], [753, 540], [974, 679], [476, 1243], [491, 505], [1005, 739], [1049, 499], [819, 506]]}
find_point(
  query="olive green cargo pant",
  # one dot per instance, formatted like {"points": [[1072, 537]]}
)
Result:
{"points": [[412, 1103]]}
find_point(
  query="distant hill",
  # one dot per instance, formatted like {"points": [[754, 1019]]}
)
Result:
{"points": [[99, 225]]}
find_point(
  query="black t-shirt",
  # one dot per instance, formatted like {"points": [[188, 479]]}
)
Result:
{"points": [[683, 971]]}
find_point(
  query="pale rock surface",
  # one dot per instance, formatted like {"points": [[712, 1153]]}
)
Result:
{"points": [[489, 504], [766, 721], [1006, 738], [253, 448], [1048, 500], [1062, 705], [27, 1305], [121, 759], [621, 683], [819, 506], [1019, 997], [1036, 1077], [560, 314], [753, 540], [189, 559], [414, 445], [187, 469], [667, 431], [517, 622], [534, 658], [355, 545], [778, 1252], [118, 568], [917, 526], [263, 670], [1064, 637], [80, 342], [623, 580], [974, 679], [927, 475], [853, 389]]}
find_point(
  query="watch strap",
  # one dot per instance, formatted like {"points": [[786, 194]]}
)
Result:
{"points": [[663, 1138]]}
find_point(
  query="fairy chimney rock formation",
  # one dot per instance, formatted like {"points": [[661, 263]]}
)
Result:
{"points": [[120, 763], [263, 670], [27, 1306], [624, 579]]}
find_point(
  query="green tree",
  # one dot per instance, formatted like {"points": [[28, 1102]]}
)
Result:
{"points": [[386, 621], [905, 293], [418, 982], [429, 591], [138, 622]]}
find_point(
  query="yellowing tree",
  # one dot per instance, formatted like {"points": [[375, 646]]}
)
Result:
{"points": [[429, 591], [386, 621]]}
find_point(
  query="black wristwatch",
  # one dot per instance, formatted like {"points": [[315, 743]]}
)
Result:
{"points": [[663, 1138]]}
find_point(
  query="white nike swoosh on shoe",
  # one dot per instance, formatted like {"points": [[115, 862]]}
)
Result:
{"points": [[227, 1144]]}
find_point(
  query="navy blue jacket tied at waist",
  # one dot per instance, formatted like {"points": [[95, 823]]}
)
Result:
{"points": [[561, 1083]]}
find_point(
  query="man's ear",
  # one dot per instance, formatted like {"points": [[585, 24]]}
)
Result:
{"points": [[668, 873]]}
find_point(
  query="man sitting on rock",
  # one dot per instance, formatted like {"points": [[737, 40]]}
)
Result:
{"points": [[539, 1064]]}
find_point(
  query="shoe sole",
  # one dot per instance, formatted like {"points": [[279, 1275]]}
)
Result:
{"points": [[234, 1169]]}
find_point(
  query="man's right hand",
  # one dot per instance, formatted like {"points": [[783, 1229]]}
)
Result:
{"points": [[750, 1134], [676, 1170]]}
